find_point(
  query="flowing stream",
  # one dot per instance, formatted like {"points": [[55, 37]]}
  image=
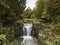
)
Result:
{"points": [[27, 38]]}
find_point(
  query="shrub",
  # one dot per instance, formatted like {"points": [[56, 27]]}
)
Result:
{"points": [[2, 39], [57, 40]]}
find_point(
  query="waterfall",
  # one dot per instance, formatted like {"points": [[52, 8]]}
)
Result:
{"points": [[27, 38]]}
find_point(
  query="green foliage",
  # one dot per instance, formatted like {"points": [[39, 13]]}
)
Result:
{"points": [[2, 39], [27, 13], [41, 41], [36, 29], [48, 9], [41, 9], [17, 28], [57, 40], [49, 12], [54, 10], [10, 10], [44, 12]]}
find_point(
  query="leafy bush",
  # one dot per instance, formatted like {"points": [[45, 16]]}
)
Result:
{"points": [[2, 39], [41, 40], [57, 40]]}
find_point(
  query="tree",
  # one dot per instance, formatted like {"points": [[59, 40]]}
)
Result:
{"points": [[54, 10], [41, 9], [27, 13], [10, 10]]}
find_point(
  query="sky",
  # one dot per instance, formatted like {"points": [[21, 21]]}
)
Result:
{"points": [[30, 3]]}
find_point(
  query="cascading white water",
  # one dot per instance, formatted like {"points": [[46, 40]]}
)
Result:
{"points": [[27, 38]]}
